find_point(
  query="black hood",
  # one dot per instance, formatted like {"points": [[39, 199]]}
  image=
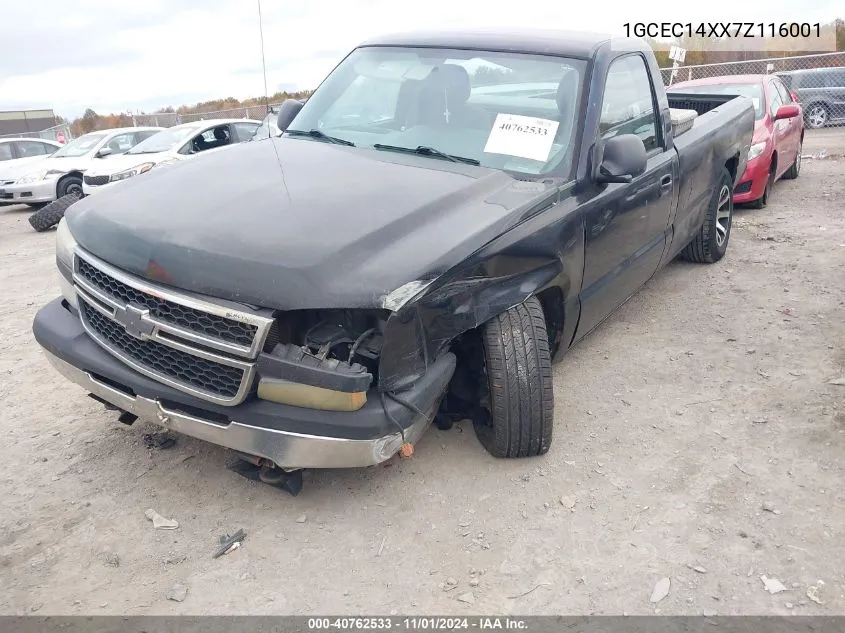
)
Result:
{"points": [[298, 223]]}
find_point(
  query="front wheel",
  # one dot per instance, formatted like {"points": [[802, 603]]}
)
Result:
{"points": [[711, 243], [795, 168], [69, 186], [517, 364]]}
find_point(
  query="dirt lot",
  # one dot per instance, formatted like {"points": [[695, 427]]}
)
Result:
{"points": [[697, 438]]}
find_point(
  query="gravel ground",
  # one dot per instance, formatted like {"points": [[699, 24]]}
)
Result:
{"points": [[697, 439]]}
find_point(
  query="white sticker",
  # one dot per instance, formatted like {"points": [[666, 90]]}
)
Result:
{"points": [[523, 136]]}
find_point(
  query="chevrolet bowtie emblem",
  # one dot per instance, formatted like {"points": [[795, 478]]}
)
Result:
{"points": [[132, 319]]}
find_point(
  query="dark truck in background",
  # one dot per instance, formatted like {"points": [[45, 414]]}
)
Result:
{"points": [[444, 217]]}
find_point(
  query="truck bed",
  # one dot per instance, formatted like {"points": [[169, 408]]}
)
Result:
{"points": [[701, 103]]}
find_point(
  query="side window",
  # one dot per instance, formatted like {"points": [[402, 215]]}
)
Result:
{"points": [[215, 137], [628, 106], [49, 149], [785, 97], [774, 101], [5, 151], [121, 143], [143, 136], [32, 148], [245, 130]]}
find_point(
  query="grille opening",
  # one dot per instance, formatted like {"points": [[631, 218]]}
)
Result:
{"points": [[114, 384]]}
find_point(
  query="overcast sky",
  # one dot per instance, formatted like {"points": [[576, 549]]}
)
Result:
{"points": [[116, 56]]}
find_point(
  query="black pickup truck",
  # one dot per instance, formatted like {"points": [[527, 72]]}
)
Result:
{"points": [[443, 218]]}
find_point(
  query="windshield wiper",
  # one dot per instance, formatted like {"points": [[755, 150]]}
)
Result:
{"points": [[424, 150], [320, 135]]}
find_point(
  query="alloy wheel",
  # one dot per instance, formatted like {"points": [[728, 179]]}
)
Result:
{"points": [[723, 215], [817, 116]]}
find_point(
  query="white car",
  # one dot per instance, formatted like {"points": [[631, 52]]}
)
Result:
{"points": [[15, 152], [169, 146], [60, 173]]}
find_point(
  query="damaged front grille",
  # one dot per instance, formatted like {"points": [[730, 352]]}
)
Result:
{"points": [[200, 347]]}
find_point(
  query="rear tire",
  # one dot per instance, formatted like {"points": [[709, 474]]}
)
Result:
{"points": [[711, 243], [517, 364], [49, 216]]}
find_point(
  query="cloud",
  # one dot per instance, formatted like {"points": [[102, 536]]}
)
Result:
{"points": [[119, 56]]}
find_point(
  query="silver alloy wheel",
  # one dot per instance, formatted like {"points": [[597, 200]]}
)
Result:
{"points": [[817, 116], [723, 216]]}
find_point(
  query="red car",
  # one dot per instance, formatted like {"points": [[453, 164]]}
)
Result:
{"points": [[778, 131]]}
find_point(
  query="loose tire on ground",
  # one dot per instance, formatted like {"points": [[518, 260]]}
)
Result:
{"points": [[711, 243], [518, 369], [49, 216]]}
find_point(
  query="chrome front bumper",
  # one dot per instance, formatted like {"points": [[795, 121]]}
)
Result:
{"points": [[286, 449]]}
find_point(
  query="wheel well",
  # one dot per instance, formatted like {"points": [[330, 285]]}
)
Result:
{"points": [[731, 165], [774, 165], [77, 174], [552, 301]]}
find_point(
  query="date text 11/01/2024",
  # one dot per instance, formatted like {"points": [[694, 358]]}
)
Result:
{"points": [[417, 624], [722, 29]]}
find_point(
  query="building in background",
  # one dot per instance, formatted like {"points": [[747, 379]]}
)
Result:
{"points": [[33, 123]]}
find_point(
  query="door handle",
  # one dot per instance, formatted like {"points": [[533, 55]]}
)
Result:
{"points": [[665, 182]]}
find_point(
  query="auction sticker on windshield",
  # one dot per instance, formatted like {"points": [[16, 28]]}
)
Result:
{"points": [[523, 136]]}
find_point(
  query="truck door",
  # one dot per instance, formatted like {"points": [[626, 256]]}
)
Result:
{"points": [[626, 224]]}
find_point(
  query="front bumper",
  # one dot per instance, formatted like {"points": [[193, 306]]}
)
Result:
{"points": [[41, 191], [291, 437], [751, 185], [88, 190]]}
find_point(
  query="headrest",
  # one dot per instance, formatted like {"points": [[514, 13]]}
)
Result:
{"points": [[452, 79]]}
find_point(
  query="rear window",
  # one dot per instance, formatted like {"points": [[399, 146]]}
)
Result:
{"points": [[752, 91]]}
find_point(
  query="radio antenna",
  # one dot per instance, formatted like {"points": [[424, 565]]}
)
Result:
{"points": [[263, 64]]}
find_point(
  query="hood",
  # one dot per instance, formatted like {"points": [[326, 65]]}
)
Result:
{"points": [[21, 167], [296, 223], [113, 164]]}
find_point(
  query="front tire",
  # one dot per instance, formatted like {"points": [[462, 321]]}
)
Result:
{"points": [[795, 168], [69, 186], [711, 243], [517, 364]]}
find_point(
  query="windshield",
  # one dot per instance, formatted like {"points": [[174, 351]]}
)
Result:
{"points": [[505, 110], [753, 91], [165, 140], [80, 146]]}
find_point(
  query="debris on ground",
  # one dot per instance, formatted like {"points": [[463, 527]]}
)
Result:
{"points": [[661, 590], [110, 559], [177, 592], [229, 543], [813, 592], [697, 568], [468, 598], [160, 522], [301, 518], [768, 507], [772, 585], [569, 502], [162, 440], [473, 582], [839, 382]]}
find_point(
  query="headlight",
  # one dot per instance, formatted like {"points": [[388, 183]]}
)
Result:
{"points": [[755, 150], [168, 161], [65, 245], [129, 173]]}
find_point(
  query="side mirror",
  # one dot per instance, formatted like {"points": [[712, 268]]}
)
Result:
{"points": [[103, 152], [620, 159], [287, 113], [788, 111]]}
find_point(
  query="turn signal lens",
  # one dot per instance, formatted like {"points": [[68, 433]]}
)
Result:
{"points": [[308, 396]]}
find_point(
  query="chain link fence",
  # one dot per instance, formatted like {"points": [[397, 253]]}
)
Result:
{"points": [[59, 133], [817, 81], [169, 119]]}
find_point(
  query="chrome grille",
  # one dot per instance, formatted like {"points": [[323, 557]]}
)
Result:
{"points": [[96, 181], [199, 373], [205, 348], [190, 318]]}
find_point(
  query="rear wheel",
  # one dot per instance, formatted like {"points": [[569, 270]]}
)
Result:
{"points": [[816, 116], [711, 243], [518, 369]]}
